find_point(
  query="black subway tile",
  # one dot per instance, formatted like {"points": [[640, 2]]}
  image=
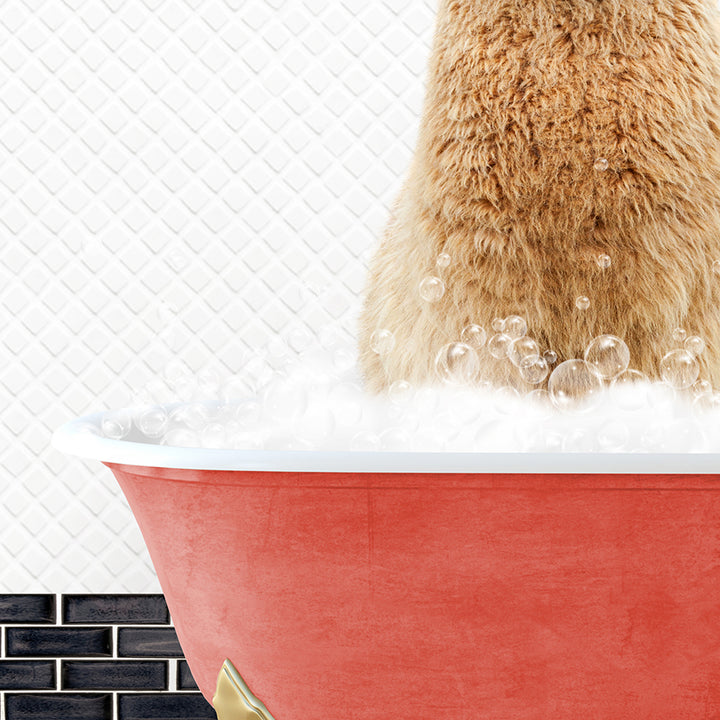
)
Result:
{"points": [[27, 674], [148, 642], [188, 706], [58, 642], [58, 706], [115, 675], [27, 609], [124, 609], [185, 680]]}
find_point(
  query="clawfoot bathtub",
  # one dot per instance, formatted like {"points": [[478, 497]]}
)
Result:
{"points": [[338, 586]]}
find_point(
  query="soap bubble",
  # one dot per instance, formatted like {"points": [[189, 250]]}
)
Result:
{"points": [[631, 389], [382, 342], [601, 164], [498, 324], [396, 439], [181, 437], [400, 391], [679, 334], [504, 399], [299, 339], [213, 435], [443, 260], [716, 267], [578, 440], [474, 336], [177, 372], [534, 369], [702, 387], [192, 415], [540, 397], [152, 421], [582, 302], [234, 388], [694, 345], [550, 356], [208, 381], [432, 289], [285, 398], [515, 326], [574, 386], [499, 345], [116, 424], [365, 441], [457, 363], [613, 436], [247, 413], [679, 369], [604, 261], [247, 441], [607, 356], [347, 404], [522, 348]]}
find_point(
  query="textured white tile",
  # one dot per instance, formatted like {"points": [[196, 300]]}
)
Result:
{"points": [[174, 176]]}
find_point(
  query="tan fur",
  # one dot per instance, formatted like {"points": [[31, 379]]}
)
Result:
{"points": [[523, 96]]}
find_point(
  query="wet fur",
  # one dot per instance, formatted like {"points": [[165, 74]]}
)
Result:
{"points": [[522, 98]]}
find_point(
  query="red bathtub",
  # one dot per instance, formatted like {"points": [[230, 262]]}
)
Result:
{"points": [[414, 586]]}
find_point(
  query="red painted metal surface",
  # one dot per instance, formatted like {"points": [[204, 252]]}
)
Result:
{"points": [[501, 597]]}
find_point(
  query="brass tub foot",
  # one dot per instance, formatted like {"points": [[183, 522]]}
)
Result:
{"points": [[233, 699]]}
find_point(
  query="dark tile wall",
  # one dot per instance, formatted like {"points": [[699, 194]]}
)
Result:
{"points": [[93, 657]]}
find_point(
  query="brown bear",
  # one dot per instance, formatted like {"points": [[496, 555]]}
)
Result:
{"points": [[568, 149]]}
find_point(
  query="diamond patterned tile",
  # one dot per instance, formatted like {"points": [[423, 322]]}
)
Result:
{"points": [[176, 177]]}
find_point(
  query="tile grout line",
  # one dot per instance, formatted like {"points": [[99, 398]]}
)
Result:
{"points": [[172, 675]]}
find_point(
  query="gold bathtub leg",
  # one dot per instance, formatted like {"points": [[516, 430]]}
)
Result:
{"points": [[233, 699]]}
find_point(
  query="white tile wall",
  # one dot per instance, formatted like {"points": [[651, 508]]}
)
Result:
{"points": [[175, 178]]}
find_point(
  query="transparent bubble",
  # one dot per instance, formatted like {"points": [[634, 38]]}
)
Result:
{"points": [[343, 360], [534, 369], [285, 399], [574, 386], [346, 403], [247, 441], [316, 425], [365, 441], [181, 437], [457, 364], [498, 324], [176, 371], [515, 326], [247, 413], [208, 382], [707, 402], [679, 369], [499, 345], [582, 302], [578, 440], [607, 356], [193, 415], [702, 387], [396, 439], [613, 436], [540, 397], [213, 435], [382, 342], [235, 388], [474, 336], [443, 260], [117, 424], [679, 334], [523, 348], [432, 289], [716, 267], [695, 345], [299, 339], [401, 391], [152, 421], [601, 164], [550, 356], [604, 261], [631, 388], [504, 400]]}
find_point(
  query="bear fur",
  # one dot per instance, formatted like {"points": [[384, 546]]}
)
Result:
{"points": [[522, 99]]}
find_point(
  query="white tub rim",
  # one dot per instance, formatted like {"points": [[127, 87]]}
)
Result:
{"points": [[73, 438]]}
